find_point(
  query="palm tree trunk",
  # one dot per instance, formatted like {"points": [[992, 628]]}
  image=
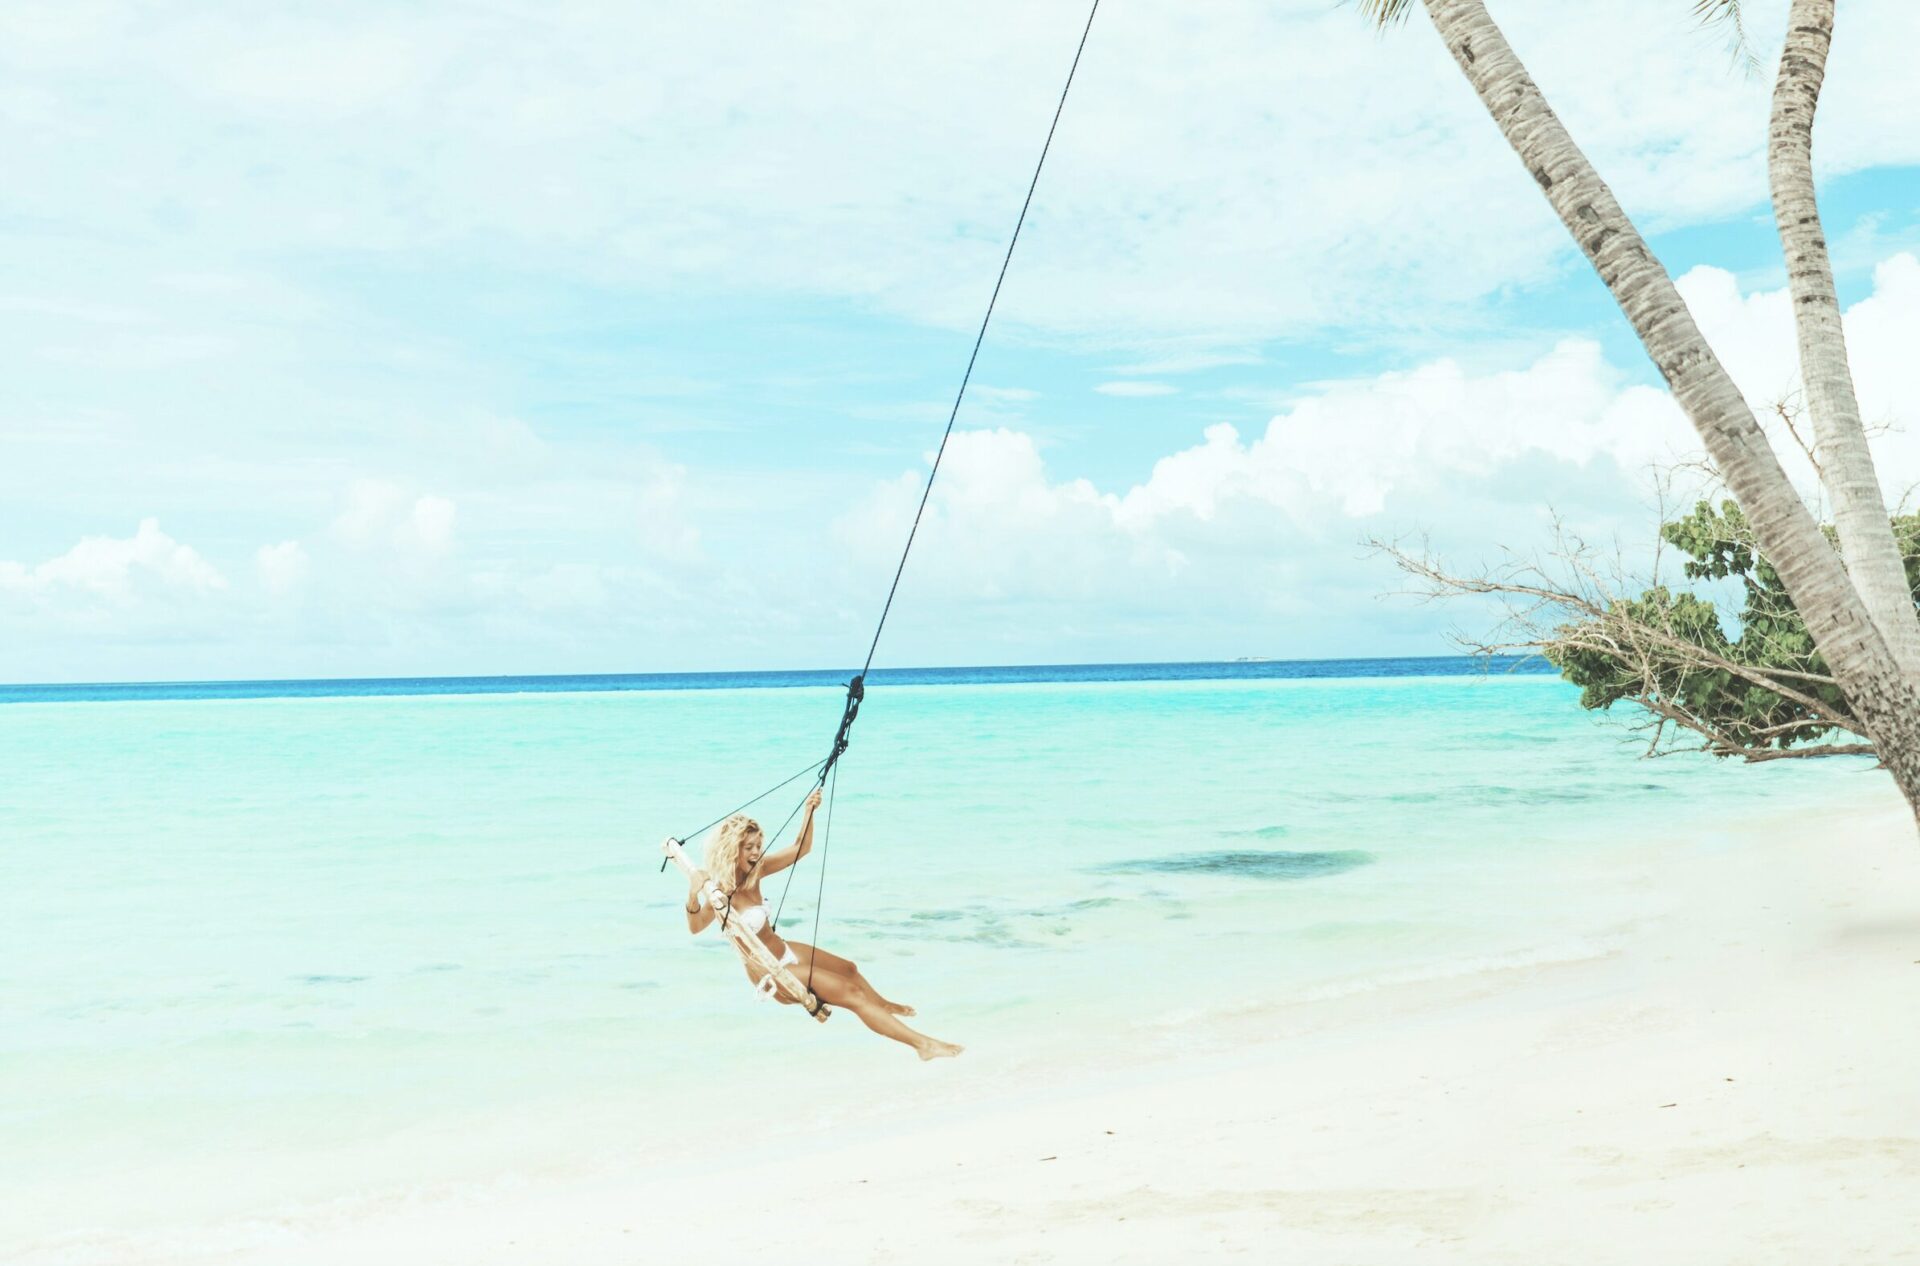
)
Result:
{"points": [[1885, 701], [1840, 442]]}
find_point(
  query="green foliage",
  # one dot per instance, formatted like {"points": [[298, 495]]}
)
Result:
{"points": [[1906, 534], [1610, 665]]}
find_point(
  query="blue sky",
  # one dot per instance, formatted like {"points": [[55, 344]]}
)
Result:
{"points": [[479, 339]]}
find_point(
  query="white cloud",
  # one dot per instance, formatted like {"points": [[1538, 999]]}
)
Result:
{"points": [[303, 74], [371, 510], [1134, 388], [567, 587], [383, 515], [116, 570], [1172, 360], [666, 531], [1231, 528], [1755, 337], [429, 525], [1883, 331], [1349, 448], [1224, 173], [1244, 540], [282, 567], [85, 607], [1752, 332]]}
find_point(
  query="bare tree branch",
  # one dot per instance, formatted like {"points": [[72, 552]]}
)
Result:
{"points": [[1572, 603]]}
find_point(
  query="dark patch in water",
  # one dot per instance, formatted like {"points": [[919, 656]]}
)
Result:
{"points": [[331, 980], [964, 927], [1277, 864], [999, 927]]}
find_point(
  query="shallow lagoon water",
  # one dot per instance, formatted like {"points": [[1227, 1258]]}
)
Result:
{"points": [[288, 949]]}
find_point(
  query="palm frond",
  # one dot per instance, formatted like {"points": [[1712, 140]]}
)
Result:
{"points": [[1384, 13], [1730, 14]]}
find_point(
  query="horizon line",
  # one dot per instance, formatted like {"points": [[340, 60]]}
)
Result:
{"points": [[744, 672]]}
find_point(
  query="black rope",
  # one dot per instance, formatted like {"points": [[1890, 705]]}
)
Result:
{"points": [[692, 836], [785, 888], [828, 768], [978, 339], [766, 847], [856, 691], [820, 894]]}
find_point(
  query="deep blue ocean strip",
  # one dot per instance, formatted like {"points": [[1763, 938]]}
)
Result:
{"points": [[1237, 670]]}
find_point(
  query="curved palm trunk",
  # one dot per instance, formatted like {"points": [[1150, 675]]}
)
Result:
{"points": [[1840, 441], [1886, 702]]}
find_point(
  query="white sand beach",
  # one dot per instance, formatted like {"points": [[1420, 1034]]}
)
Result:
{"points": [[1725, 1079]]}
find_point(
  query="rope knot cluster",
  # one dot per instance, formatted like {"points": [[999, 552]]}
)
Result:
{"points": [[856, 691]]}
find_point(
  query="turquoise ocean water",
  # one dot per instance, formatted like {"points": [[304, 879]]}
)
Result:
{"points": [[271, 946]]}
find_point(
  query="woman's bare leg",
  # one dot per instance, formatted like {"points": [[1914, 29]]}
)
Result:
{"points": [[829, 960], [851, 991], [840, 990]]}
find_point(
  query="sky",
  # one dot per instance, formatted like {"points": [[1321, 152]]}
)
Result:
{"points": [[380, 339]]}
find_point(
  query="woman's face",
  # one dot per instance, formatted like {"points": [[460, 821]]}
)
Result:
{"points": [[751, 846]]}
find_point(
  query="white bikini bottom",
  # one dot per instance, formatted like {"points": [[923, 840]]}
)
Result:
{"points": [[789, 959]]}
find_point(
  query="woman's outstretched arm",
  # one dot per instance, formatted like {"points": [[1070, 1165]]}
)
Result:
{"points": [[699, 913], [802, 843]]}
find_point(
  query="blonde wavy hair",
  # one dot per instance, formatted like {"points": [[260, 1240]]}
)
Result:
{"points": [[723, 851]]}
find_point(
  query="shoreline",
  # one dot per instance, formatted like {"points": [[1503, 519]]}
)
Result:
{"points": [[1726, 1077]]}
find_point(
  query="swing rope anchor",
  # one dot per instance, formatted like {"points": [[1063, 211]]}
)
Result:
{"points": [[856, 691]]}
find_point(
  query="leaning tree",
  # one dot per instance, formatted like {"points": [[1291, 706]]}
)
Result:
{"points": [[1859, 613]]}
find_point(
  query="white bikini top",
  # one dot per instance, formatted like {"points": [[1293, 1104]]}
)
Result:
{"points": [[753, 918]]}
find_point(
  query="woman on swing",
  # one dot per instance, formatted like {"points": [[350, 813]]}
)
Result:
{"points": [[736, 860]]}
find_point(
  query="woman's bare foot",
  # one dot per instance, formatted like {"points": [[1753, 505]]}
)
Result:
{"points": [[899, 1008], [934, 1049]]}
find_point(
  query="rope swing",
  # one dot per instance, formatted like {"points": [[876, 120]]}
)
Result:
{"points": [[826, 770]]}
